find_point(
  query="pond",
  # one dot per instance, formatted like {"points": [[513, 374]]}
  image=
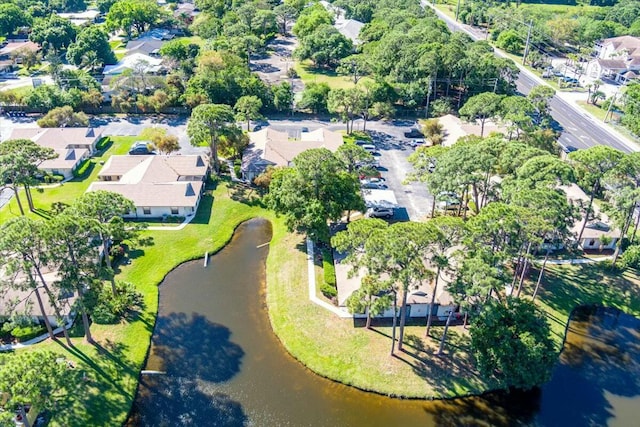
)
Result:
{"points": [[225, 367]]}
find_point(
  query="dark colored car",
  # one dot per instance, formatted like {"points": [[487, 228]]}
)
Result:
{"points": [[141, 149], [413, 133]]}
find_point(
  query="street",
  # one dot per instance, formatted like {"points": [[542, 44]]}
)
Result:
{"points": [[579, 129]]}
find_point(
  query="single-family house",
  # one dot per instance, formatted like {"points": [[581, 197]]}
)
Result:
{"points": [[186, 12], [146, 45], [12, 46], [615, 58], [138, 61], [81, 18], [350, 28], [599, 225], [270, 147], [73, 145], [159, 186]]}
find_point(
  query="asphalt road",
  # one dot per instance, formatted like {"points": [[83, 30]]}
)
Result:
{"points": [[577, 128]]}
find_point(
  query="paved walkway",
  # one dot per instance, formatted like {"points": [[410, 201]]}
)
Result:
{"points": [[312, 286], [180, 226], [575, 260], [11, 347]]}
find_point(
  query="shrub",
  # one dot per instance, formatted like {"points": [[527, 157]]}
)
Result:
{"points": [[432, 127], [83, 169], [237, 162], [25, 333], [50, 179], [631, 257], [237, 170], [103, 143], [110, 308], [328, 291], [224, 167], [328, 268]]}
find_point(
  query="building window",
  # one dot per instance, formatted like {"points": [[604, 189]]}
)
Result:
{"points": [[174, 211], [591, 242], [146, 211]]}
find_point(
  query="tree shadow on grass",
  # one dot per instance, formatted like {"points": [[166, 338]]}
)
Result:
{"points": [[194, 347], [245, 194], [171, 401], [203, 215]]}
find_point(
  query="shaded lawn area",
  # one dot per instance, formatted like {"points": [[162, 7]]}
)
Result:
{"points": [[69, 191], [565, 287], [309, 74], [334, 348], [113, 366]]}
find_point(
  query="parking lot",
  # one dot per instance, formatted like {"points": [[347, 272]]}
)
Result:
{"points": [[413, 198]]}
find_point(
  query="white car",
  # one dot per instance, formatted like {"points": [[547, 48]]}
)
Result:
{"points": [[379, 212]]}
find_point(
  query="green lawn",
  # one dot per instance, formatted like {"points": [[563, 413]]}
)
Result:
{"points": [[355, 136], [69, 191], [308, 74], [565, 287]]}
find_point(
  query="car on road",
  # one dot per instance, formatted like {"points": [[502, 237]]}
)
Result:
{"points": [[141, 148], [379, 212]]}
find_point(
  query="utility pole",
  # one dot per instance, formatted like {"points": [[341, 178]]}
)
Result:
{"points": [[457, 10], [613, 101], [526, 46], [426, 108]]}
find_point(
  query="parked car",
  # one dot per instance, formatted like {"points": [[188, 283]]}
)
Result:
{"points": [[304, 129], [372, 180], [141, 148], [374, 186], [379, 212], [571, 80], [370, 148], [415, 143], [413, 133]]}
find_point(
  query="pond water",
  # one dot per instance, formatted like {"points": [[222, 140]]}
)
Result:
{"points": [[225, 367]]}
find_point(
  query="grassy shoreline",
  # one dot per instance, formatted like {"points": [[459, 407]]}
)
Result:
{"points": [[328, 346]]}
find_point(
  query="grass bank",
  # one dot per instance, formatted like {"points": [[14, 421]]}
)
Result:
{"points": [[114, 364], [567, 286]]}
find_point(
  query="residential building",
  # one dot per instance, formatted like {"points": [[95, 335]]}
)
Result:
{"points": [[600, 225], [270, 147], [24, 302], [617, 58], [73, 145], [81, 18], [138, 61], [159, 186], [146, 45]]}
